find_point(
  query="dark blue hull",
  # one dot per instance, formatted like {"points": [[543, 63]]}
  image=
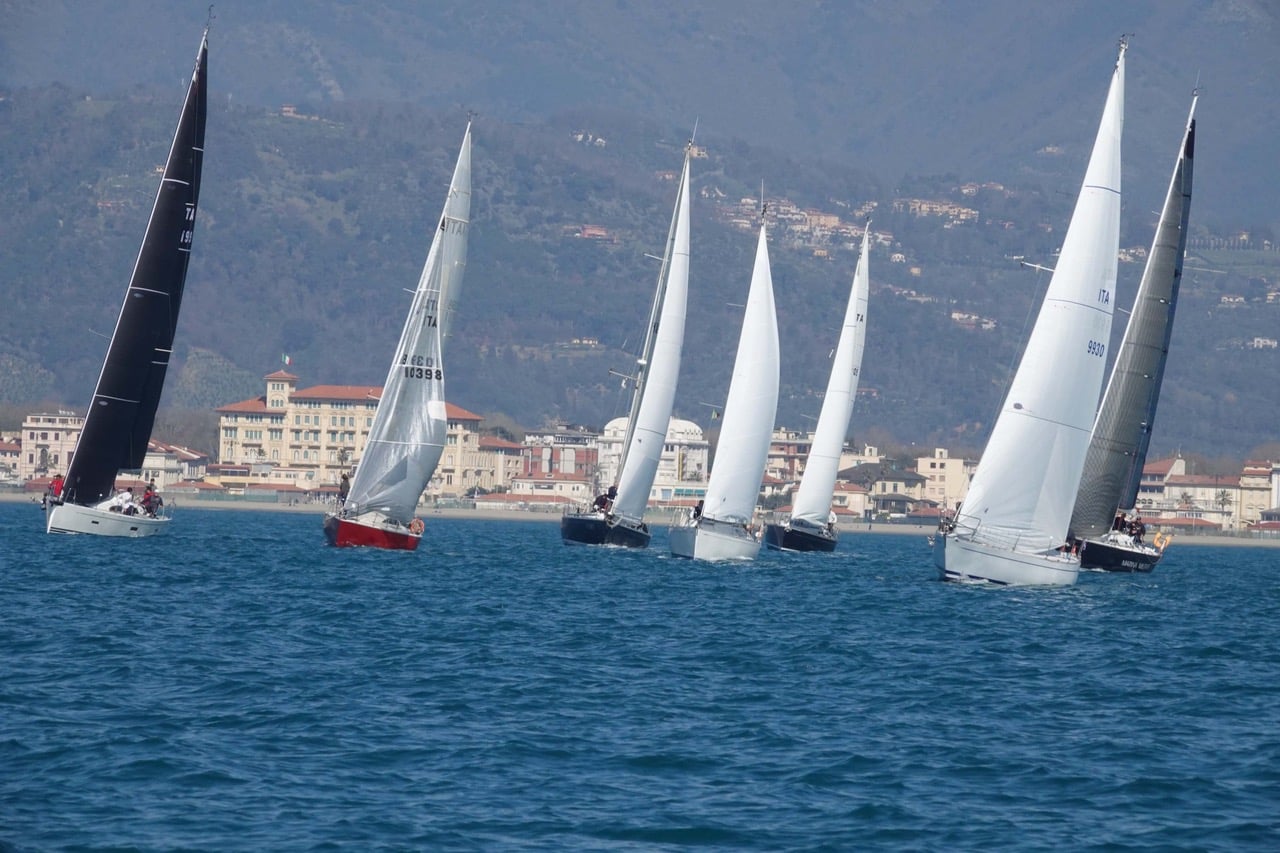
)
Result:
{"points": [[780, 537], [595, 530]]}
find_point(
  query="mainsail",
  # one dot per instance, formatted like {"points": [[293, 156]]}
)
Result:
{"points": [[1024, 487], [1122, 432], [751, 406], [118, 424], [813, 498], [658, 367], [408, 432]]}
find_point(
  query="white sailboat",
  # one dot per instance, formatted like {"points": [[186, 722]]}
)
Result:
{"points": [[1011, 527], [721, 530], [811, 526], [1122, 432], [117, 426], [617, 518], [408, 432]]}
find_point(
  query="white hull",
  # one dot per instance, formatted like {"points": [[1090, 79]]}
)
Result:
{"points": [[95, 521], [708, 539], [968, 561]]}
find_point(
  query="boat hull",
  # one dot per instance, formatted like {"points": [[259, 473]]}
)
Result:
{"points": [[595, 529], [1115, 554], [966, 561], [95, 521], [784, 537], [708, 539], [357, 533]]}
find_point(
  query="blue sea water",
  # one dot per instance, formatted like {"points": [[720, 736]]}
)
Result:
{"points": [[236, 685]]}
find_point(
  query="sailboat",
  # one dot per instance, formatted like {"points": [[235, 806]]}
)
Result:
{"points": [[720, 529], [1011, 527], [409, 426], [1122, 431], [618, 518], [117, 426], [811, 526]]}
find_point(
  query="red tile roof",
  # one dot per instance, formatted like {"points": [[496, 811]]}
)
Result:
{"points": [[338, 392], [493, 442], [1160, 466], [258, 405], [281, 374]]}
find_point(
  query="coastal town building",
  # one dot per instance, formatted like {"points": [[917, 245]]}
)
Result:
{"points": [[48, 441], [308, 437], [682, 468], [946, 478]]}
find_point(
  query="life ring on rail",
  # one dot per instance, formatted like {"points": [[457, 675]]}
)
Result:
{"points": [[415, 527]]}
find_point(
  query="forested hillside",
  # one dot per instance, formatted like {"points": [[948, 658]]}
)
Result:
{"points": [[313, 225]]}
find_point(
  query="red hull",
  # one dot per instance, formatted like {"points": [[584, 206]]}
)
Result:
{"points": [[348, 533]]}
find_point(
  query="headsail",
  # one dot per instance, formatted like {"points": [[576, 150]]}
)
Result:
{"points": [[408, 432], [813, 498], [1122, 432], [751, 406], [118, 424], [1024, 488], [658, 367]]}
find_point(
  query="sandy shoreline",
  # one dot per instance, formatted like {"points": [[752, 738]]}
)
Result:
{"points": [[659, 519]]}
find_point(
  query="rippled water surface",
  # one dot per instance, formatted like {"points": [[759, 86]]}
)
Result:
{"points": [[236, 685]]}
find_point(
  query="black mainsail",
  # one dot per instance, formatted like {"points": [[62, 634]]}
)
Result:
{"points": [[118, 424], [1122, 430]]}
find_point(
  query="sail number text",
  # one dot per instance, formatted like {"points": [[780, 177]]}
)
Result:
{"points": [[420, 367], [1097, 348], [1104, 296]]}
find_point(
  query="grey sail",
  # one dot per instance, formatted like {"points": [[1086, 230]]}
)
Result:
{"points": [[1122, 430]]}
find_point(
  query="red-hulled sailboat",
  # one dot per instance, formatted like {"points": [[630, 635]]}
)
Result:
{"points": [[408, 432]]}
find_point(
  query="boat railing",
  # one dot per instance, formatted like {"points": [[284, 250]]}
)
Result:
{"points": [[971, 527]]}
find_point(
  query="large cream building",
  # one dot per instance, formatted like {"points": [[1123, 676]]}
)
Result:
{"points": [[682, 468], [307, 437]]}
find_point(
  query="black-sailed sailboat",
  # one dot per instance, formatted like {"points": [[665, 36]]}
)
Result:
{"points": [[117, 427], [1108, 540]]}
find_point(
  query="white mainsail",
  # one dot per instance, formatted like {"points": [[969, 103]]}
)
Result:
{"points": [[408, 432], [658, 367], [1024, 487], [813, 499], [1122, 432], [751, 406], [454, 255]]}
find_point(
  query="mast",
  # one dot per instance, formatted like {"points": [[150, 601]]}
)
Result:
{"points": [[1122, 431], [118, 424]]}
